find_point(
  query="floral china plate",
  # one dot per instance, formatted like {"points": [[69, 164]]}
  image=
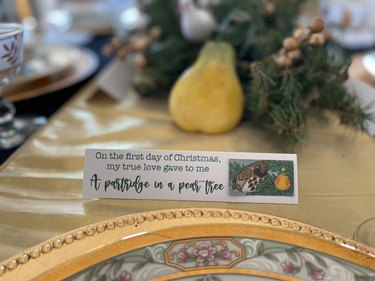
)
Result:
{"points": [[195, 244]]}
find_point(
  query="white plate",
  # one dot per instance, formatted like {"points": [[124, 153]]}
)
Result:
{"points": [[45, 60]]}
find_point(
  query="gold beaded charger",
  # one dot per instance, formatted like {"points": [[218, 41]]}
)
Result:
{"points": [[194, 244]]}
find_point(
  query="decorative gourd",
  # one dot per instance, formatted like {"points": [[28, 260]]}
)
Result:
{"points": [[208, 96]]}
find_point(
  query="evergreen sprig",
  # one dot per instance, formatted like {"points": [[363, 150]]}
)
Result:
{"points": [[281, 98], [277, 98]]}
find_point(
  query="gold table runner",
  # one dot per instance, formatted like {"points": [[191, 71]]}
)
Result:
{"points": [[41, 185]]}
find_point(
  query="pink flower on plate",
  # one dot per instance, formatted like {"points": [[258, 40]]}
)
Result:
{"points": [[182, 255], [125, 276], [288, 267], [225, 254], [204, 252], [317, 274]]}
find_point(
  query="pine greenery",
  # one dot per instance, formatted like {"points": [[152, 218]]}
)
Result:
{"points": [[276, 98]]}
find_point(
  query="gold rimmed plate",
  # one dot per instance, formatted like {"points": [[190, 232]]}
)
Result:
{"points": [[195, 244], [84, 66], [45, 60]]}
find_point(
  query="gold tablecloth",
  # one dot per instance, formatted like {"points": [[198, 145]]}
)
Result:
{"points": [[41, 185]]}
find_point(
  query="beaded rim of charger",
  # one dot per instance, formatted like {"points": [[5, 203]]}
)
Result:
{"points": [[140, 218]]}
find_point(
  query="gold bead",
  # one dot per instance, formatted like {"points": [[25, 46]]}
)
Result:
{"points": [[11, 265], [316, 40], [35, 253], [236, 215], [2, 269], [79, 235], [116, 43], [57, 243], [265, 219], [107, 50], [131, 221], [290, 44], [155, 32], [122, 53], [24, 258], [90, 231], [69, 239], [197, 213], [120, 223], [140, 61], [46, 248], [327, 35], [160, 216], [284, 61], [150, 217], [139, 43], [255, 218], [299, 33], [141, 219], [317, 25], [169, 215], [270, 8], [188, 213], [294, 55], [110, 225]]}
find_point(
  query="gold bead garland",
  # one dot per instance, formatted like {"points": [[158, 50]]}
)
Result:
{"points": [[290, 52], [136, 45]]}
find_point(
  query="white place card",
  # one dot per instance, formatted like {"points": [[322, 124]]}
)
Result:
{"points": [[117, 78], [191, 175]]}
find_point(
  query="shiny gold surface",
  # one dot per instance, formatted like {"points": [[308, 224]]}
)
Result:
{"points": [[40, 187], [82, 248]]}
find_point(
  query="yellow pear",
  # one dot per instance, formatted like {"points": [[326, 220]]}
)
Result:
{"points": [[208, 96]]}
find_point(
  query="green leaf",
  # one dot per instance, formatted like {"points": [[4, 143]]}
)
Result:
{"points": [[309, 266], [363, 278], [117, 266], [102, 278], [134, 258], [291, 254], [321, 261], [260, 249], [149, 257], [139, 266], [89, 276], [271, 257]]}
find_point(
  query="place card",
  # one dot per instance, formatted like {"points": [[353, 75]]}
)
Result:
{"points": [[191, 175], [117, 78]]}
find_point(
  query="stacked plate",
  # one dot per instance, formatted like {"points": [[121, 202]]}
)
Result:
{"points": [[47, 68]]}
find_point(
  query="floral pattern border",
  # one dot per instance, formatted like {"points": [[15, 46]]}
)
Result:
{"points": [[169, 258]]}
